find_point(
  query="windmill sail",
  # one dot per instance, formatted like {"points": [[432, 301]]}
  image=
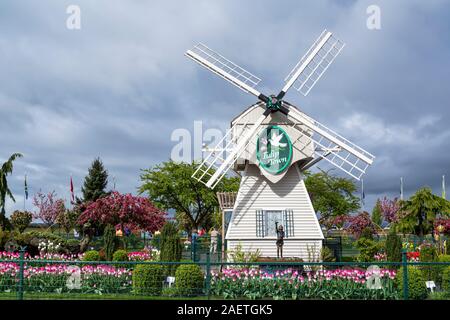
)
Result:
{"points": [[224, 68], [215, 166], [314, 63], [332, 147]]}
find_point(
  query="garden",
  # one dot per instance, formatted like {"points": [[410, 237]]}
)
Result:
{"points": [[123, 246]]}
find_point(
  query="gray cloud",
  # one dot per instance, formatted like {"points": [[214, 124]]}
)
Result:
{"points": [[118, 87]]}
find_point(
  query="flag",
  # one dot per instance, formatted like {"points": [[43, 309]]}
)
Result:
{"points": [[443, 186], [26, 188], [401, 188], [71, 189]]}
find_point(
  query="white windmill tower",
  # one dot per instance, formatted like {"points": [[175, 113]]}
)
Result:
{"points": [[271, 143]]}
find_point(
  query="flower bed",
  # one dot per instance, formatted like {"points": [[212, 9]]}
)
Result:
{"points": [[289, 284], [57, 278]]}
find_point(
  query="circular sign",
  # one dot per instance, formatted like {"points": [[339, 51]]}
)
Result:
{"points": [[274, 149]]}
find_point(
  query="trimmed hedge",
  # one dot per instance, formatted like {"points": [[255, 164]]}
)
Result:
{"points": [[148, 279], [189, 280], [92, 255], [416, 283], [120, 255], [446, 279]]}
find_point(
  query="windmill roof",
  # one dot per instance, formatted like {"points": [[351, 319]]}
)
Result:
{"points": [[260, 103]]}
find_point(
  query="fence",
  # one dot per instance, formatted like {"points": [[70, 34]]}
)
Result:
{"points": [[24, 278], [196, 250]]}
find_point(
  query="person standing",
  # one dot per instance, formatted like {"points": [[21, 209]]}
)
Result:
{"points": [[213, 245]]}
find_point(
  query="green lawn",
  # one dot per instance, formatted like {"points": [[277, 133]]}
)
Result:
{"points": [[68, 296]]}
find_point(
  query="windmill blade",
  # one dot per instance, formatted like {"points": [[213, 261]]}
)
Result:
{"points": [[313, 64], [215, 166], [226, 69], [332, 147]]}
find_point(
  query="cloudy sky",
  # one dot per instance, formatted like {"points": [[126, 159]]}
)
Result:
{"points": [[118, 87]]}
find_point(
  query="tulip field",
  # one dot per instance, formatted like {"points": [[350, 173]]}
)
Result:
{"points": [[290, 284]]}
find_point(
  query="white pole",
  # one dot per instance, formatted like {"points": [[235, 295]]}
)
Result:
{"points": [[362, 194], [443, 187], [401, 188], [25, 192]]}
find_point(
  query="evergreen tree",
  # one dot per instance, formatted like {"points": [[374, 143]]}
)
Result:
{"points": [[376, 213], [393, 247], [170, 245], [109, 241], [95, 182]]}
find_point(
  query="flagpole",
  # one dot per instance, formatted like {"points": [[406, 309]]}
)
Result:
{"points": [[443, 187], [362, 194], [401, 188], [25, 192]]}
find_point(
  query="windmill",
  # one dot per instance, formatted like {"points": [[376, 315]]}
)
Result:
{"points": [[271, 143]]}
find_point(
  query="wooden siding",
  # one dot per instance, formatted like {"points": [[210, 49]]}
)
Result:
{"points": [[256, 192]]}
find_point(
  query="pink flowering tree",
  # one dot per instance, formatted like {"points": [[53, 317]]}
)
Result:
{"points": [[123, 211], [356, 224], [390, 209], [48, 207], [335, 222]]}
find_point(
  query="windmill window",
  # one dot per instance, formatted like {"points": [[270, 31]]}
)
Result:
{"points": [[265, 222]]}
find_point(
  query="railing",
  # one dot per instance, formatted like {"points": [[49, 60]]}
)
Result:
{"points": [[24, 278]]}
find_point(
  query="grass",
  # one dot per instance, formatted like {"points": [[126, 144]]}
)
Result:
{"points": [[56, 296]]}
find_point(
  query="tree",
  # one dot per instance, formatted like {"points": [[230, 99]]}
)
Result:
{"points": [[49, 207], [393, 247], [5, 170], [21, 220], [331, 196], [419, 212], [95, 182], [361, 224], [170, 185], [390, 209], [109, 241], [170, 245], [67, 220], [376, 213], [124, 211]]}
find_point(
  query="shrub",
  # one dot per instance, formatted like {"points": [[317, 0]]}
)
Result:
{"points": [[367, 233], [367, 249], [109, 241], [156, 241], [21, 220], [440, 269], [393, 247], [73, 246], [427, 253], [446, 279], [91, 255], [238, 255], [148, 279], [347, 259], [189, 280], [416, 283], [170, 246], [327, 255], [120, 255]]}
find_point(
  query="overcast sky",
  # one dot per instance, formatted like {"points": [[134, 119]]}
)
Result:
{"points": [[118, 87]]}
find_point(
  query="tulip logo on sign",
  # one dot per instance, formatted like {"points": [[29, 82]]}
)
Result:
{"points": [[274, 149]]}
